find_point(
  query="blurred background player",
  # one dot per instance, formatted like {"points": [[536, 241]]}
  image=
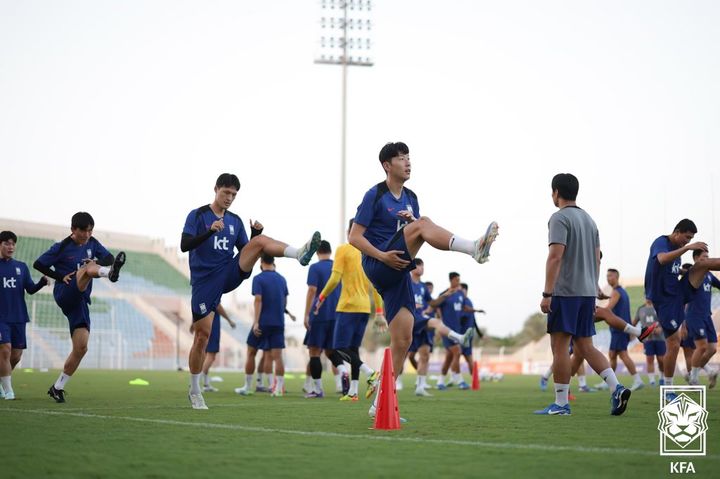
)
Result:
{"points": [[619, 303], [254, 344], [353, 312], [321, 326], [467, 322], [73, 263], [654, 345], [450, 303], [16, 281], [211, 234]]}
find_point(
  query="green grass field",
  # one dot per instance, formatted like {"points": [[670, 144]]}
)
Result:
{"points": [[108, 428]]}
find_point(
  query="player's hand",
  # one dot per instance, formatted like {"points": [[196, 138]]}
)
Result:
{"points": [[256, 330], [292, 316], [406, 216], [380, 324], [318, 305], [697, 245], [217, 225], [601, 295], [256, 225], [648, 302], [683, 332], [68, 277], [393, 258], [232, 323], [480, 311], [306, 322], [545, 305]]}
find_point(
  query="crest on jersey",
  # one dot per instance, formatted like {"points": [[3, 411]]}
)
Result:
{"points": [[232, 229], [682, 421], [409, 208], [89, 253], [17, 271], [203, 308]]}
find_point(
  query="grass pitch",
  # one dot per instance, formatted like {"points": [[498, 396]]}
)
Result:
{"points": [[108, 429]]}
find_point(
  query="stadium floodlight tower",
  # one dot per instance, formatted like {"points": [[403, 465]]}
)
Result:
{"points": [[345, 28]]}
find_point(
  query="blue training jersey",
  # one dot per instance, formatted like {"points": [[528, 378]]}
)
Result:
{"points": [[622, 307], [217, 251], [662, 280], [422, 298], [451, 310], [16, 280], [378, 212], [318, 276], [468, 315], [699, 306], [273, 289], [67, 256]]}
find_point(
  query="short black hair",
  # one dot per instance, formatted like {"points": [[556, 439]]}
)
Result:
{"points": [[391, 150], [567, 186], [464, 286], [228, 180], [324, 247], [429, 283], [697, 252], [419, 261], [453, 275], [267, 259], [686, 265], [82, 220], [685, 226], [613, 270], [8, 235]]}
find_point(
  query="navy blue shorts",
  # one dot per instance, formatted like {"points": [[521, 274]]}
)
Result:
{"points": [[619, 341], [656, 347], [213, 345], [74, 305], [257, 342], [420, 334], [206, 294], [431, 337], [702, 329], [320, 334], [13, 333], [274, 337], [688, 342], [394, 286], [574, 315], [670, 315], [349, 329]]}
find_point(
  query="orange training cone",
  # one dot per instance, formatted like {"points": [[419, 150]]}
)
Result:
{"points": [[387, 414], [476, 378]]}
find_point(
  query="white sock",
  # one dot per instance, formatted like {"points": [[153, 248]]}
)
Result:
{"points": [[637, 379], [548, 373], [422, 381], [318, 385], [338, 381], [561, 394], [634, 330], [6, 384], [708, 369], [668, 381], [206, 380], [366, 369], [353, 387], [457, 378], [582, 381], [104, 271], [455, 336], [308, 383], [342, 369], [260, 379], [651, 377], [695, 374], [271, 380], [248, 381], [462, 245], [61, 381], [441, 380], [291, 252], [279, 383], [195, 383], [610, 379], [398, 380]]}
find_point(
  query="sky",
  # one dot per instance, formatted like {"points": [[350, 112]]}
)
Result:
{"points": [[131, 109]]}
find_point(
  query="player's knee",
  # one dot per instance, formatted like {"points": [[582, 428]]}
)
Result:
{"points": [[711, 349], [80, 349]]}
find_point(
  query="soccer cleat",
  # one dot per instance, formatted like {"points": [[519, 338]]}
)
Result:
{"points": [[398, 384], [637, 386], [441, 387], [243, 391], [686, 377], [467, 338], [661, 382], [619, 400], [345, 381], [712, 379], [670, 397], [210, 389], [262, 389], [422, 393], [602, 386], [314, 395], [278, 393], [306, 252], [543, 383], [10, 396], [372, 383], [349, 397], [57, 394], [652, 383], [197, 401], [554, 410], [586, 389], [2, 392], [647, 331], [482, 245], [115, 268], [463, 385]]}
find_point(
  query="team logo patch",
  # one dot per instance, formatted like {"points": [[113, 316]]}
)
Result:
{"points": [[89, 253], [232, 229], [17, 271], [702, 332], [203, 308], [674, 323], [682, 421]]}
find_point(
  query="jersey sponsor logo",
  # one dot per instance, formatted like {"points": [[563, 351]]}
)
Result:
{"points": [[220, 243], [9, 283], [707, 287], [676, 268], [457, 306], [682, 421]]}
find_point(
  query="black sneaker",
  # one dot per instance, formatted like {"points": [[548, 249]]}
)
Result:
{"points": [[117, 264], [647, 331], [57, 394]]}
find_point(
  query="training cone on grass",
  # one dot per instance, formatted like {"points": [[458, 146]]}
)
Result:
{"points": [[476, 378], [387, 414]]}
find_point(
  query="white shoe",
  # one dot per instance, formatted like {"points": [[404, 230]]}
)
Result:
{"points": [[467, 337], [482, 245], [197, 401], [210, 389], [10, 396], [243, 391], [422, 392], [371, 411], [602, 386], [2, 392], [306, 252], [637, 386]]}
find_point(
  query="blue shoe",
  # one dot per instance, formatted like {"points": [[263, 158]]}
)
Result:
{"points": [[441, 387], [619, 400], [670, 397], [587, 389], [555, 410], [662, 382], [463, 385], [543, 384]]}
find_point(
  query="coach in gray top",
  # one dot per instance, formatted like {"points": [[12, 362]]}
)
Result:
{"points": [[571, 285]]}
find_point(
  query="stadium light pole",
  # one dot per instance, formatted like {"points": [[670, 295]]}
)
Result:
{"points": [[344, 40]]}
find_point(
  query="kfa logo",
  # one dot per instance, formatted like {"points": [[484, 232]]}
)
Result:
{"points": [[9, 283], [220, 243], [232, 229], [17, 271], [203, 308], [89, 252], [682, 421]]}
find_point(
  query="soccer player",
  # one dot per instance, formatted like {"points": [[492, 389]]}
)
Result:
{"points": [[620, 306], [320, 327], [211, 234], [450, 302], [213, 347], [571, 285], [353, 312], [73, 263], [467, 321], [665, 291], [655, 343], [389, 232], [701, 329], [423, 320], [16, 281], [254, 344]]}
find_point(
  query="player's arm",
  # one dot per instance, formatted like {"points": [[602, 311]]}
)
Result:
{"points": [[335, 277], [443, 296], [715, 282], [188, 241], [292, 316], [377, 300], [223, 313], [30, 286], [45, 263], [308, 304], [552, 270], [391, 258], [666, 257], [257, 309], [636, 319]]}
